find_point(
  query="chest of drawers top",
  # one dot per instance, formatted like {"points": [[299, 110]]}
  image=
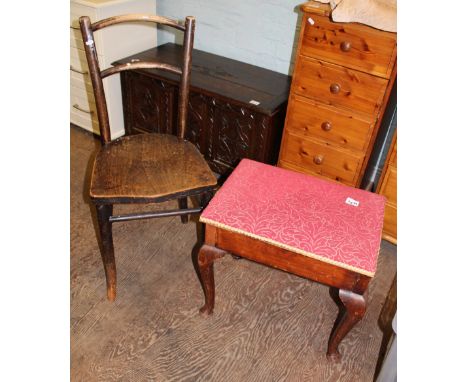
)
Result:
{"points": [[352, 45]]}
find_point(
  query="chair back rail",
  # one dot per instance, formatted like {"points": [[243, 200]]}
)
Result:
{"points": [[140, 65], [87, 32], [132, 17]]}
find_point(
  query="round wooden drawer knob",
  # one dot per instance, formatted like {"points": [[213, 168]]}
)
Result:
{"points": [[335, 88], [345, 46], [326, 126], [318, 159]]}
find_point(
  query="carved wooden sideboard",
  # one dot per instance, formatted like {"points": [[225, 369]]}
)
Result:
{"points": [[342, 79], [236, 110]]}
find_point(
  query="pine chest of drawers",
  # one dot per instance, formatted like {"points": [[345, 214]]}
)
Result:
{"points": [[343, 76], [118, 41]]}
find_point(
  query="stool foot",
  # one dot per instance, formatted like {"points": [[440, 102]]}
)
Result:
{"points": [[355, 306], [206, 256]]}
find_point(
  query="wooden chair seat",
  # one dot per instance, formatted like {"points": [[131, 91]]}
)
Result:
{"points": [[149, 168]]}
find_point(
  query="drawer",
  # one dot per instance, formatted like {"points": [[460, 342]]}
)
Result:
{"points": [[321, 159], [81, 91], [352, 45], [292, 167], [81, 81], [338, 86], [78, 61], [76, 11], [84, 121], [390, 223], [337, 126], [83, 113], [83, 106], [75, 39], [389, 185]]}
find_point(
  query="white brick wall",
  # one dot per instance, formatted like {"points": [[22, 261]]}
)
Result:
{"points": [[259, 32]]}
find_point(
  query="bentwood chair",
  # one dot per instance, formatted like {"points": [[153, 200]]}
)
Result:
{"points": [[145, 168]]}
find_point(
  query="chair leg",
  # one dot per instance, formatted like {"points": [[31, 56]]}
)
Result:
{"points": [[355, 306], [205, 198], [206, 256], [104, 211], [182, 205]]}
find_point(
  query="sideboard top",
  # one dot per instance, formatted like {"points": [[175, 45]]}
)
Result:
{"points": [[223, 77]]}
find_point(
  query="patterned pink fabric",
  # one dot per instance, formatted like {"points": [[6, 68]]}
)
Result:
{"points": [[302, 213]]}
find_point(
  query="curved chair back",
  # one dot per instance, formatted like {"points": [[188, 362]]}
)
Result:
{"points": [[87, 32]]}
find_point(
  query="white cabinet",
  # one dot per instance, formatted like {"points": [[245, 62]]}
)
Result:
{"points": [[112, 43]]}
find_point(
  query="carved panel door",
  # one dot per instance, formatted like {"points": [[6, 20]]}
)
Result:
{"points": [[197, 122], [234, 135], [149, 105]]}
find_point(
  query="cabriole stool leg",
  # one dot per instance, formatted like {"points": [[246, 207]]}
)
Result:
{"points": [[355, 305], [206, 256]]}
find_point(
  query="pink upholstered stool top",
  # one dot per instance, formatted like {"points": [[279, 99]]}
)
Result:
{"points": [[317, 218]]}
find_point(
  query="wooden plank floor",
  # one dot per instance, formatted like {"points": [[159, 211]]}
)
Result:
{"points": [[267, 325]]}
